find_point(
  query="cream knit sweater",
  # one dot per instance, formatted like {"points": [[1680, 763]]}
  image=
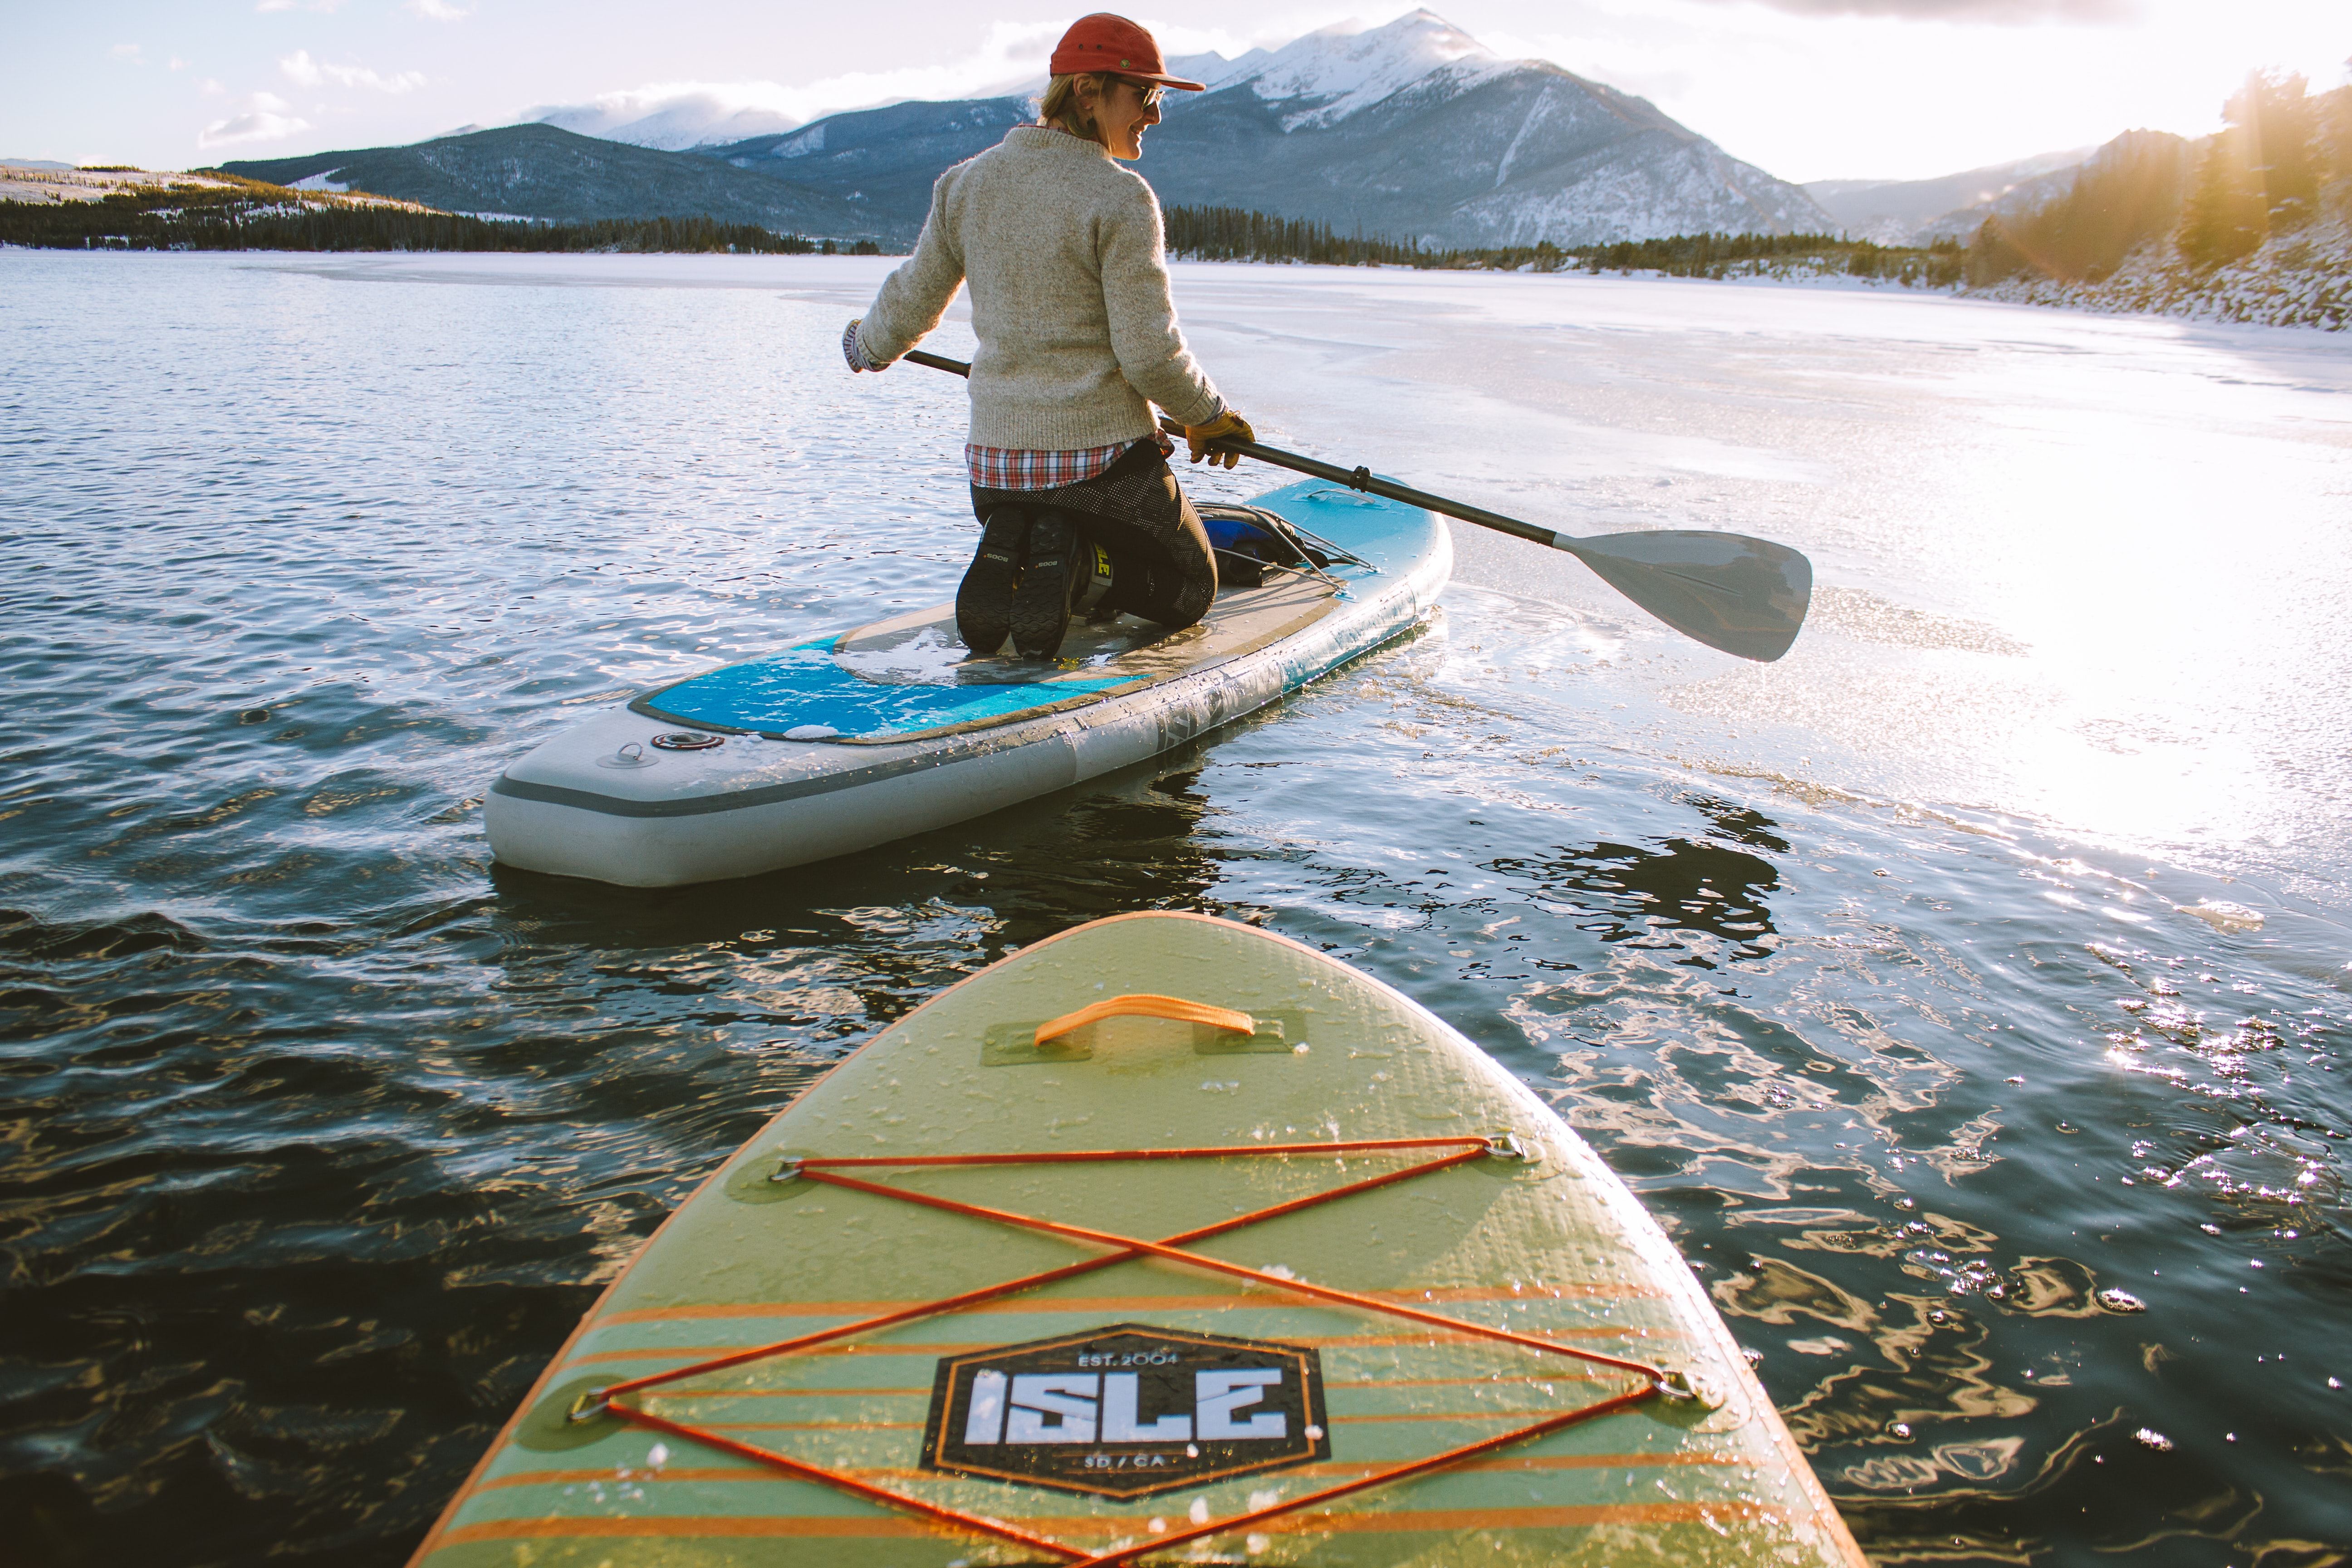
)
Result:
{"points": [[1064, 253]]}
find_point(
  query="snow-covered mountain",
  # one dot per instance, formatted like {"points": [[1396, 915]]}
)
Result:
{"points": [[1324, 77], [672, 119], [1413, 130]]}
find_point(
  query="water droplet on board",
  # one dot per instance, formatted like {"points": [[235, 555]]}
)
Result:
{"points": [[1199, 1512], [2154, 1439], [2115, 1301]]}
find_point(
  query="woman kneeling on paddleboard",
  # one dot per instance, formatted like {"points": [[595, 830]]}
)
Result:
{"points": [[1065, 255]]}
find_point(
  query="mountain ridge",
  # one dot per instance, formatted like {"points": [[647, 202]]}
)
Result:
{"points": [[538, 171], [1919, 212], [1413, 130]]}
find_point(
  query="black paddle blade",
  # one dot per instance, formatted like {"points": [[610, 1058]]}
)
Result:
{"points": [[1747, 597]]}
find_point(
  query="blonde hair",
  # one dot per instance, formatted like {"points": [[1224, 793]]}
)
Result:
{"points": [[1060, 104]]}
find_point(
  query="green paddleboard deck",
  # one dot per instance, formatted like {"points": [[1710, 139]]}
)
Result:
{"points": [[1148, 1398]]}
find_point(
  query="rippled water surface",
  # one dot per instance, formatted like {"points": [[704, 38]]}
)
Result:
{"points": [[1966, 992]]}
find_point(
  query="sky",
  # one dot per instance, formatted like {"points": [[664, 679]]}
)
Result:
{"points": [[1806, 90]]}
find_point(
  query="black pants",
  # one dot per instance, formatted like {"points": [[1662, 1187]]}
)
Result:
{"points": [[1162, 567]]}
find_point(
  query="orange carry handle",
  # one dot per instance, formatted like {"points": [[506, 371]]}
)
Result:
{"points": [[1142, 1004]]}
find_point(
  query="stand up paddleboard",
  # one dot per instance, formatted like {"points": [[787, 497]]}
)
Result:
{"points": [[1164, 1240], [889, 730]]}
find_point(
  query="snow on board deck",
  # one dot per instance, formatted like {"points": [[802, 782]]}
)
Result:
{"points": [[1154, 1406]]}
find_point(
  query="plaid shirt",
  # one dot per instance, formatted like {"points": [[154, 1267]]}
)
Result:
{"points": [[1008, 468]]}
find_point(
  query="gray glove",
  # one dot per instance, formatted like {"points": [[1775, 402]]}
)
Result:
{"points": [[855, 351]]}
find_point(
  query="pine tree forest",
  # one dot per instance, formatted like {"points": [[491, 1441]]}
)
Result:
{"points": [[2282, 159]]}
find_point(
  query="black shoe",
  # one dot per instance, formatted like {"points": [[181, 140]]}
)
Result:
{"points": [[1041, 607], [984, 602]]}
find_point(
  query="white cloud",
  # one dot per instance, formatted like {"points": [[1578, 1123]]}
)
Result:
{"points": [[1010, 58], [438, 10], [178, 64], [261, 117], [298, 4], [301, 68]]}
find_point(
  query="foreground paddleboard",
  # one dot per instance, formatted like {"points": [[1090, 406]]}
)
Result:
{"points": [[840, 1349], [889, 730]]}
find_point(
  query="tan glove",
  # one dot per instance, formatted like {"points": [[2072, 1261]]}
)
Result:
{"points": [[1228, 424]]}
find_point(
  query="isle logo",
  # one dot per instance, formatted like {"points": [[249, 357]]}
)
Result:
{"points": [[1127, 1411]]}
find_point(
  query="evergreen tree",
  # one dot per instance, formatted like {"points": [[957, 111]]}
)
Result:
{"points": [[1991, 255], [2259, 176], [2226, 216], [2278, 119], [2335, 118]]}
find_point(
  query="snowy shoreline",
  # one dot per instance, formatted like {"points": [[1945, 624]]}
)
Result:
{"points": [[2299, 280], [2302, 280]]}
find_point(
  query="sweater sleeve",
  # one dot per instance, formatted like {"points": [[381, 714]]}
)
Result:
{"points": [[1143, 331], [916, 294]]}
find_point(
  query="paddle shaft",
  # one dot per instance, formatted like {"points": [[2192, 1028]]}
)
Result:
{"points": [[1744, 595], [1358, 479]]}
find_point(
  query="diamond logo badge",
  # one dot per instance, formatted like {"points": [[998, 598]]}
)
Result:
{"points": [[1127, 1411]]}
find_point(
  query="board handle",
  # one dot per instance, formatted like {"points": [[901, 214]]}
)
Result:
{"points": [[1143, 1004]]}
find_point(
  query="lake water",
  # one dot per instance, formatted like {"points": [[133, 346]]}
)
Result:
{"points": [[1988, 952]]}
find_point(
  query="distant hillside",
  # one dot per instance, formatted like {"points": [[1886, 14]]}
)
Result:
{"points": [[2126, 195], [1919, 212], [884, 160], [136, 210], [541, 172], [2252, 224], [1412, 129]]}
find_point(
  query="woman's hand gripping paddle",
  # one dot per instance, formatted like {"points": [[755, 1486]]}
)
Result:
{"points": [[1744, 595]]}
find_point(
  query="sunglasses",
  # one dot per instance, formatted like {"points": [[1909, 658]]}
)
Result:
{"points": [[1149, 91]]}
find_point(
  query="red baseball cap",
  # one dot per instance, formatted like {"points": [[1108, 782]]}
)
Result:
{"points": [[1103, 42]]}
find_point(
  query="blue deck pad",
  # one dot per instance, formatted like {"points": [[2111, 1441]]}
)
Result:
{"points": [[806, 685]]}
